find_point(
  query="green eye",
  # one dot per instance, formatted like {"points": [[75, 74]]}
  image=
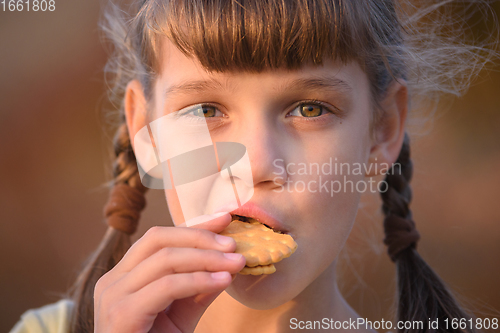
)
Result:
{"points": [[206, 111], [310, 110]]}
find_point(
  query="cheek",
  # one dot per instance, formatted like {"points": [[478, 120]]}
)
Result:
{"points": [[333, 218], [326, 188], [324, 221]]}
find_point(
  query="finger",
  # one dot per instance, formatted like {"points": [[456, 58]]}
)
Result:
{"points": [[158, 295], [178, 260], [157, 238]]}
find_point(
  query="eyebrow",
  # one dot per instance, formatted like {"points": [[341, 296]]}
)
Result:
{"points": [[196, 86], [316, 83], [313, 83]]}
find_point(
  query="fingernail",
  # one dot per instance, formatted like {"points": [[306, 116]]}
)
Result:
{"points": [[223, 240], [233, 256], [220, 275]]}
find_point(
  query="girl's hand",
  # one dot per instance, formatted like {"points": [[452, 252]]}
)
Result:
{"points": [[166, 280]]}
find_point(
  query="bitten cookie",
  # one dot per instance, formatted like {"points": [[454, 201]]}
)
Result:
{"points": [[261, 246]]}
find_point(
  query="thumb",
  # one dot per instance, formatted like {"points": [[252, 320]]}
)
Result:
{"points": [[185, 313]]}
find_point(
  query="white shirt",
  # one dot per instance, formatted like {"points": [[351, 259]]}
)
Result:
{"points": [[51, 318]]}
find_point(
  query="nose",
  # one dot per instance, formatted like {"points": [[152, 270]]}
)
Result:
{"points": [[261, 138]]}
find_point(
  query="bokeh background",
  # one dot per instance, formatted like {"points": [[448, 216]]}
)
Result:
{"points": [[54, 159]]}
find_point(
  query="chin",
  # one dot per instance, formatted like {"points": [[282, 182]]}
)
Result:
{"points": [[268, 291]]}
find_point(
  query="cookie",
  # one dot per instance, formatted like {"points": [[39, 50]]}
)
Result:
{"points": [[258, 270], [261, 246]]}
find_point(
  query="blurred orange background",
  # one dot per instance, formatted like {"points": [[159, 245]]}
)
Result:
{"points": [[54, 159]]}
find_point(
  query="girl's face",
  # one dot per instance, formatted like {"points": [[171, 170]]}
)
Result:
{"points": [[305, 121]]}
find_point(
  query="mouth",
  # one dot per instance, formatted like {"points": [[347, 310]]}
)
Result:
{"points": [[253, 220], [251, 212]]}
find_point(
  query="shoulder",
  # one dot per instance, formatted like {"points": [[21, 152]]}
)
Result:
{"points": [[51, 318]]}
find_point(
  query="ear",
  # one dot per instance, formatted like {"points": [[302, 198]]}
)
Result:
{"points": [[389, 132], [135, 108]]}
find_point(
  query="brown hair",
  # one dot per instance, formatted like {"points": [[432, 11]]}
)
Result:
{"points": [[390, 41]]}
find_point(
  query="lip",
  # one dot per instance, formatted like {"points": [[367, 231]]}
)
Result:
{"points": [[258, 213]]}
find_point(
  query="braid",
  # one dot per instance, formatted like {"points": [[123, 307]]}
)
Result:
{"points": [[115, 243], [125, 165], [396, 200], [422, 294]]}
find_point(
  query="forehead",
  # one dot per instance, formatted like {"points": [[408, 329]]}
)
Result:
{"points": [[180, 73]]}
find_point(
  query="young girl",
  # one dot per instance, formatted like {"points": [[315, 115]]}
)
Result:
{"points": [[298, 83]]}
